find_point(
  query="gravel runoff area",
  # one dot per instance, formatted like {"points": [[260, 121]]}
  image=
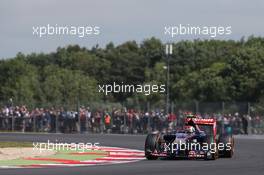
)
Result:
{"points": [[16, 153]]}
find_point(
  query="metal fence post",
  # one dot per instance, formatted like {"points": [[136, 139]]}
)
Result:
{"points": [[249, 123], [248, 108], [57, 123], [13, 123], [79, 123], [223, 107], [172, 107], [86, 124], [24, 120], [34, 123], [102, 124], [196, 106], [173, 112], [42, 124], [149, 117]]}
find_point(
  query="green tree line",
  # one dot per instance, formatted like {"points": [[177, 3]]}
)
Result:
{"points": [[204, 70]]}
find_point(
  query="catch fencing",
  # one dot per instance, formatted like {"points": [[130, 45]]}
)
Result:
{"points": [[141, 119]]}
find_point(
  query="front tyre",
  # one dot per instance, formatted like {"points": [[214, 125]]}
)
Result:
{"points": [[151, 144]]}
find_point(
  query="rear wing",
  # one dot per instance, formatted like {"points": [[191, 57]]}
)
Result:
{"points": [[199, 121]]}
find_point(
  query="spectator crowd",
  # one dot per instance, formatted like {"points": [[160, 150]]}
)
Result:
{"points": [[20, 118]]}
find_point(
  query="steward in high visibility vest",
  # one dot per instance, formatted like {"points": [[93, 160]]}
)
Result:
{"points": [[107, 121]]}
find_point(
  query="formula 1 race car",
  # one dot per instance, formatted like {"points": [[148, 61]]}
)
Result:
{"points": [[198, 139]]}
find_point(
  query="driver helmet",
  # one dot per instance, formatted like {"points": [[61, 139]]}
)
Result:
{"points": [[190, 115], [190, 129]]}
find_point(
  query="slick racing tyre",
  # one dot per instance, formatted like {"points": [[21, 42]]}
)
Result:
{"points": [[151, 145], [209, 154], [228, 150], [229, 153]]}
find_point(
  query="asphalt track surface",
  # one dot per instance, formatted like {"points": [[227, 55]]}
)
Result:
{"points": [[248, 158]]}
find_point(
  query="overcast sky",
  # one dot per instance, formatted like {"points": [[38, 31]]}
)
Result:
{"points": [[120, 20]]}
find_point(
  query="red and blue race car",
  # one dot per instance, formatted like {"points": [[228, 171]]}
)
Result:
{"points": [[197, 139]]}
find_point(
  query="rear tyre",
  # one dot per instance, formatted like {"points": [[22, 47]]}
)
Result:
{"points": [[151, 145], [211, 156], [229, 153]]}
